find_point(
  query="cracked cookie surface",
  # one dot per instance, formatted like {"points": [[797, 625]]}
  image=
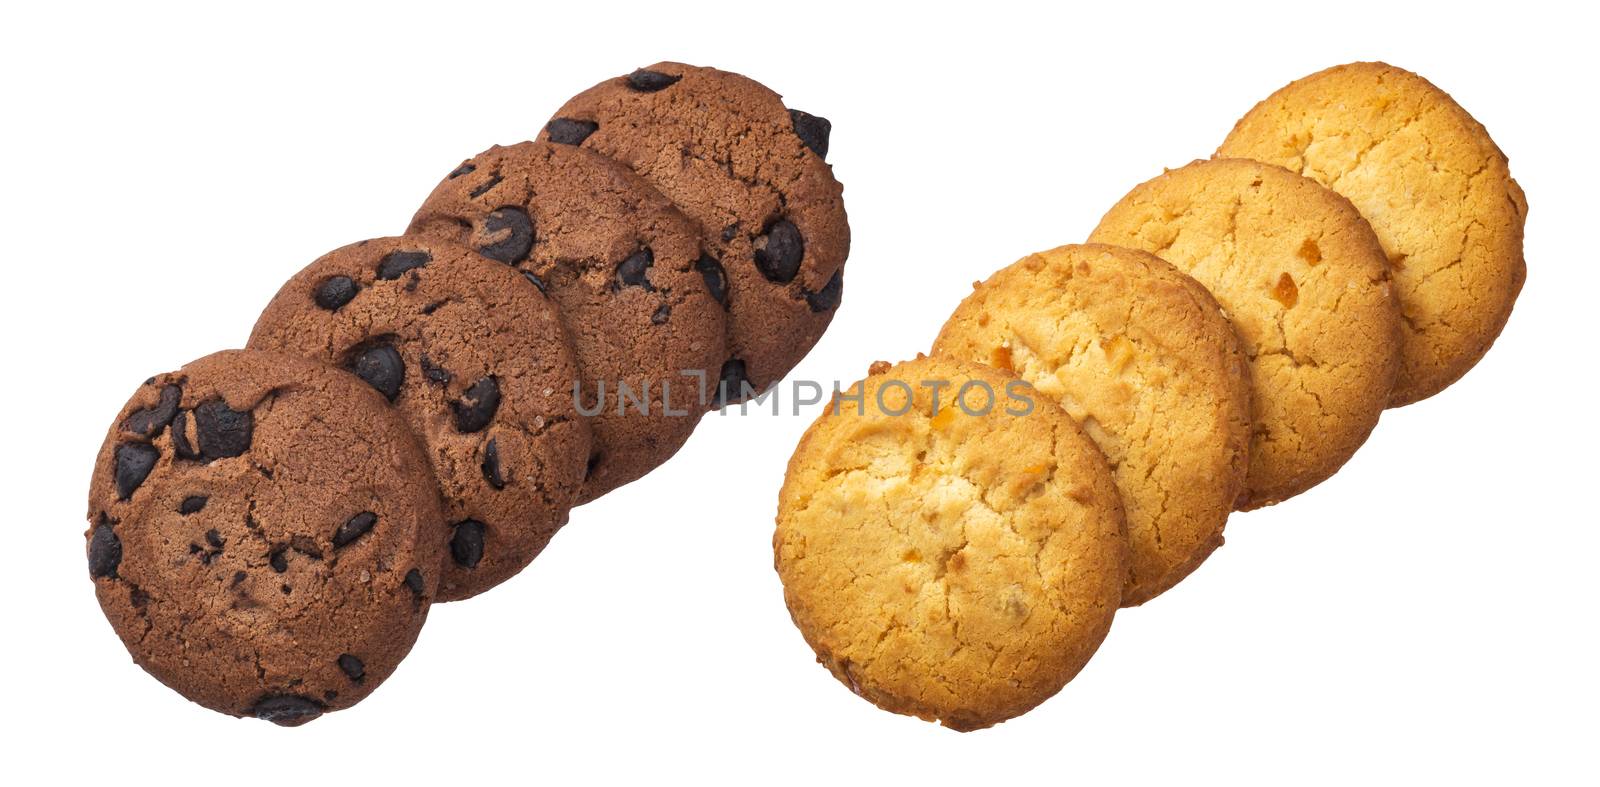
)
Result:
{"points": [[625, 269], [476, 360], [953, 566], [1306, 284], [751, 173], [1436, 189], [263, 535], [1144, 359]]}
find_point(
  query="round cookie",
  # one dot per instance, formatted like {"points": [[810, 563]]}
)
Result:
{"points": [[956, 563], [751, 173], [1306, 284], [625, 269], [474, 357], [263, 535], [1435, 188], [1144, 359]]}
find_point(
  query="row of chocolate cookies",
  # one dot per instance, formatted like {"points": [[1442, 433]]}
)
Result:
{"points": [[264, 534], [1227, 339]]}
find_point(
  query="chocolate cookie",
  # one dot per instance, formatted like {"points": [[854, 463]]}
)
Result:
{"points": [[476, 360], [263, 535], [751, 173], [626, 270]]}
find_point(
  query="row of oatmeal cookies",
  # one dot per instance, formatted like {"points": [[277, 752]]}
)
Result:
{"points": [[414, 416], [1226, 340]]}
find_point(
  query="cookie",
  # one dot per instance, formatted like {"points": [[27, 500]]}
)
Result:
{"points": [[625, 268], [1434, 186], [751, 173], [950, 544], [475, 358], [1307, 286], [1145, 360], [263, 535]]}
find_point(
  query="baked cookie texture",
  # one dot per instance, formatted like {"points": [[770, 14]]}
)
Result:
{"points": [[952, 566], [1307, 286], [476, 359], [1143, 358], [751, 173], [1436, 189], [263, 535], [624, 268]]}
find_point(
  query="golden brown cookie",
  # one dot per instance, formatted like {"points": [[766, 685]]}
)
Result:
{"points": [[1435, 188], [959, 564], [1144, 359], [263, 535], [1307, 286]]}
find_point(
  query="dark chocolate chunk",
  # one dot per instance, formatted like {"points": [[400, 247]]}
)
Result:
{"points": [[105, 551], [635, 270], [353, 528], [486, 186], [461, 170], [779, 251], [566, 131], [651, 81], [214, 538], [413, 582], [180, 437], [151, 420], [828, 297], [222, 431], [731, 383], [491, 465], [288, 710], [352, 666], [279, 559], [133, 461], [466, 546], [716, 278], [334, 292], [396, 263], [192, 504], [729, 231], [812, 130], [381, 367], [661, 314], [477, 407], [537, 282], [512, 230], [594, 462], [437, 374]]}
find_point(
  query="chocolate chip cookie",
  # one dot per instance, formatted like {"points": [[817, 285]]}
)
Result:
{"points": [[263, 535], [625, 268], [751, 173], [475, 358]]}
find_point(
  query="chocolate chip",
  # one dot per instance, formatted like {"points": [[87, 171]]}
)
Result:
{"points": [[827, 298], [476, 408], [437, 374], [537, 282], [334, 292], [461, 170], [180, 437], [288, 710], [413, 582], [651, 81], [716, 278], [214, 538], [486, 186], [396, 263], [513, 229], [812, 130], [635, 270], [566, 131], [594, 463], [105, 551], [731, 382], [381, 367], [133, 462], [491, 465], [222, 431], [137, 597], [278, 559], [352, 666], [192, 504], [661, 314], [353, 528], [466, 546], [779, 251], [151, 420], [729, 231]]}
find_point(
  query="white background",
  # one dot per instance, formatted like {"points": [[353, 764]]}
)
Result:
{"points": [[1427, 614]]}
